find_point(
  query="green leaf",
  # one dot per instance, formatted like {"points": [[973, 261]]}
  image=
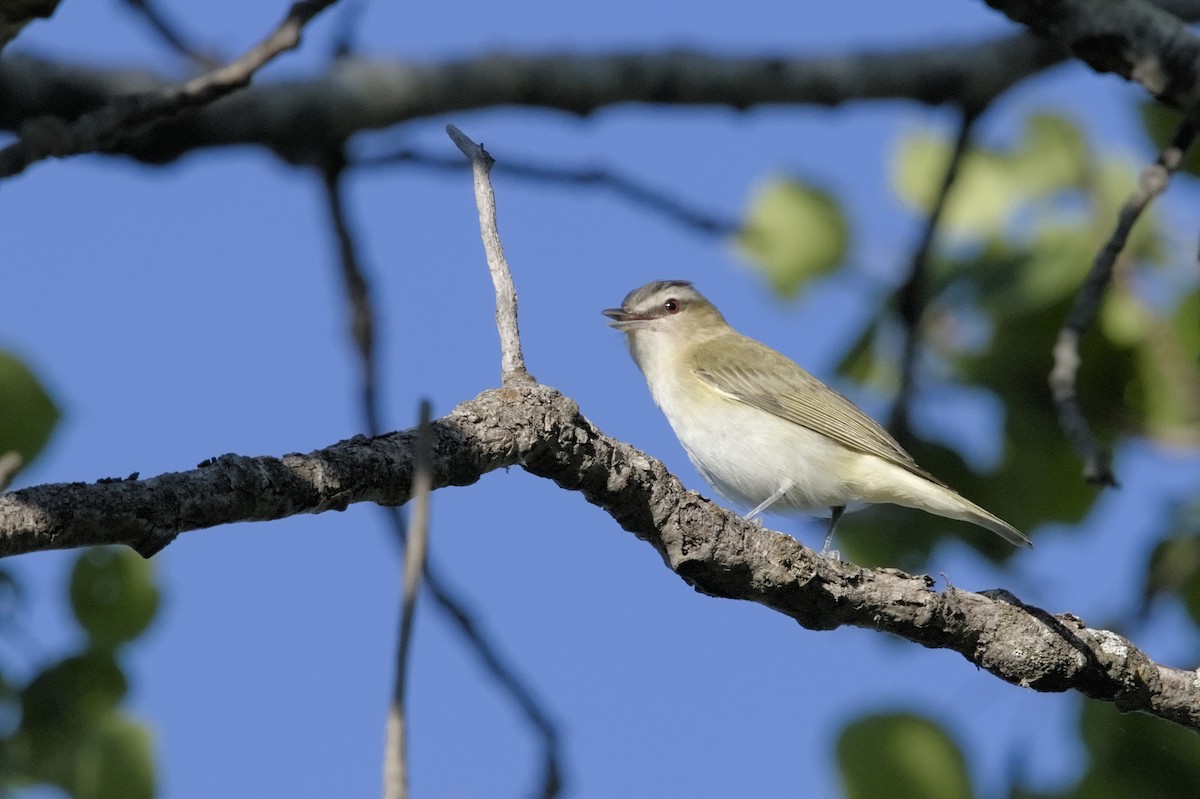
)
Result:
{"points": [[1135, 755], [1053, 155], [1160, 123], [113, 594], [69, 693], [115, 761], [27, 413], [793, 233], [58, 709], [901, 756]]}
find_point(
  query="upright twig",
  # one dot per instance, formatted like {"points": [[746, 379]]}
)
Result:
{"points": [[124, 116], [911, 296], [10, 464], [395, 761], [1152, 182], [598, 177], [512, 362], [362, 324]]}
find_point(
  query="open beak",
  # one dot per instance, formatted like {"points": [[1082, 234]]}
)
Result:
{"points": [[623, 320]]}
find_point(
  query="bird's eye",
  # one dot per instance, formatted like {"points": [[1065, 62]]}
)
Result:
{"points": [[671, 306]]}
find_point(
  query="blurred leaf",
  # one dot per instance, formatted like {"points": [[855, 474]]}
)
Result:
{"points": [[793, 233], [992, 184], [1115, 182], [115, 762], [1160, 123], [27, 413], [1175, 569], [1053, 155], [113, 595], [983, 198], [67, 695], [901, 756], [869, 362], [1133, 755]]}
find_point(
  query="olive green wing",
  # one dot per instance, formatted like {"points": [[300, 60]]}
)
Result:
{"points": [[763, 378]]}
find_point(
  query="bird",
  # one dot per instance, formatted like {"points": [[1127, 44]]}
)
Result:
{"points": [[764, 432]]}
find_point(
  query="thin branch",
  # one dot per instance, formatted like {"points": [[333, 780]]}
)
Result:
{"points": [[10, 463], [1152, 182], [512, 362], [911, 295], [506, 675], [362, 325], [395, 768], [130, 115], [359, 94], [713, 550], [170, 33], [357, 290], [597, 177]]}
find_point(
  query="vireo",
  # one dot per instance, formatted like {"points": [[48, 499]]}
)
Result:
{"points": [[761, 430]]}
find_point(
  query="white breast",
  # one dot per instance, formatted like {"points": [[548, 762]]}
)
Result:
{"points": [[745, 453]]}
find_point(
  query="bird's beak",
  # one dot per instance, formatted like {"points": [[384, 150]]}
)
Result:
{"points": [[624, 320]]}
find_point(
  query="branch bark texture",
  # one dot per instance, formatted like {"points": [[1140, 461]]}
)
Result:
{"points": [[715, 551], [1135, 39], [302, 119]]}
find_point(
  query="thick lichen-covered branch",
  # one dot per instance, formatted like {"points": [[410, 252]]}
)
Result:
{"points": [[715, 551]]}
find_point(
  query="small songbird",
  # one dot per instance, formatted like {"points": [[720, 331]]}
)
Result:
{"points": [[764, 432]]}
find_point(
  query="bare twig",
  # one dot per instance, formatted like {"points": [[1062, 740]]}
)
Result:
{"points": [[10, 464], [166, 30], [126, 116], [362, 325], [911, 295], [395, 761], [358, 290], [1152, 182], [598, 177], [512, 362]]}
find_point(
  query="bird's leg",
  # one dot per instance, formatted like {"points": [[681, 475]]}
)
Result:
{"points": [[835, 513], [771, 500]]}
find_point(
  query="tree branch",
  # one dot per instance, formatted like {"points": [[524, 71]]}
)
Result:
{"points": [[1135, 39], [715, 551], [302, 119], [463, 621], [598, 177], [512, 362], [911, 294], [395, 761], [1153, 182], [129, 115]]}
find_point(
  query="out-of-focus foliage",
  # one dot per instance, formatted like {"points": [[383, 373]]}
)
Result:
{"points": [[1174, 569], [1021, 230], [793, 233], [63, 724], [901, 756], [27, 413], [1019, 233]]}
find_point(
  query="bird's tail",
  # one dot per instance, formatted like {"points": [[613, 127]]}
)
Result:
{"points": [[968, 511], [904, 487]]}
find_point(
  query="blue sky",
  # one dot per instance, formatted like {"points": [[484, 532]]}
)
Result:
{"points": [[182, 312]]}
